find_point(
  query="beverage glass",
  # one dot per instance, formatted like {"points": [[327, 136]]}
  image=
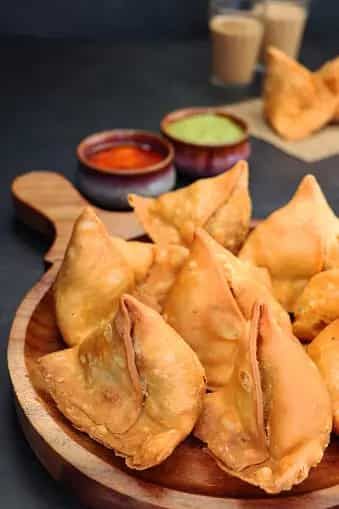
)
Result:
{"points": [[236, 37], [284, 24]]}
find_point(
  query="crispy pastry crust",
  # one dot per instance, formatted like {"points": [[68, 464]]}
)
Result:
{"points": [[295, 242], [221, 205], [210, 302], [296, 101], [318, 305], [271, 423], [98, 268], [135, 386], [324, 350], [329, 73]]}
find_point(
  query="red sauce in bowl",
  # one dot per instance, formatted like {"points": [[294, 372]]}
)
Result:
{"points": [[125, 156]]}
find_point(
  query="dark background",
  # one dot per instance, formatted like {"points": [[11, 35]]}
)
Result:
{"points": [[128, 18], [68, 68]]}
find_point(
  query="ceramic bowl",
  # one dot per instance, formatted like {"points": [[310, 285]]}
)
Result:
{"points": [[205, 160], [110, 189]]}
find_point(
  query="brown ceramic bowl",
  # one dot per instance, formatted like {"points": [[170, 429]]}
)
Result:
{"points": [[110, 189], [206, 160]]}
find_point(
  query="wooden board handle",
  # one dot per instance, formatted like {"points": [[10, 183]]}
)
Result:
{"points": [[49, 203]]}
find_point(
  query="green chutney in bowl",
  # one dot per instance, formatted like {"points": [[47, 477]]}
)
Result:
{"points": [[206, 129], [207, 141]]}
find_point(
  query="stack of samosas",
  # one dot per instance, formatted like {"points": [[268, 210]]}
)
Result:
{"points": [[198, 331], [298, 102]]}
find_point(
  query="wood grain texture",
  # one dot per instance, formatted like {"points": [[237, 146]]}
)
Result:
{"points": [[189, 479], [49, 203]]}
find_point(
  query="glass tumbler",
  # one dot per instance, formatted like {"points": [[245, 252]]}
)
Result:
{"points": [[284, 24], [236, 37]]}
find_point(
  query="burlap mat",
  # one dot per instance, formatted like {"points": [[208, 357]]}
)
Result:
{"points": [[320, 145]]}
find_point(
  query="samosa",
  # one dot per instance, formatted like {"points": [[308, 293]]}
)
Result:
{"points": [[271, 422], [295, 242], [134, 385], [92, 277], [318, 305], [155, 286], [211, 300], [324, 351], [98, 268], [329, 73], [296, 101], [221, 205]]}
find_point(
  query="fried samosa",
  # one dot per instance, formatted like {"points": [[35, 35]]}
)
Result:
{"points": [[221, 205], [155, 286], [210, 302], [138, 255], [318, 305], [324, 350], [271, 423], [329, 73], [296, 101], [295, 242], [98, 268], [134, 385], [92, 277]]}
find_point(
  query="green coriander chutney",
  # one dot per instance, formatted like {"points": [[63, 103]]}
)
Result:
{"points": [[206, 129]]}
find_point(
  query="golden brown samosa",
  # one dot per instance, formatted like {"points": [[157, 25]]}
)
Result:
{"points": [[221, 205], [324, 350], [135, 386], [92, 277], [155, 268], [271, 423], [329, 73], [155, 286], [210, 302], [98, 268], [318, 305], [296, 101], [138, 255], [295, 242]]}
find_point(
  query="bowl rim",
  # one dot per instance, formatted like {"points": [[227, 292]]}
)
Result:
{"points": [[194, 110], [100, 136]]}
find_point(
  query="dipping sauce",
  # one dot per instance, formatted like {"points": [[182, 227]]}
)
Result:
{"points": [[206, 128], [125, 156]]}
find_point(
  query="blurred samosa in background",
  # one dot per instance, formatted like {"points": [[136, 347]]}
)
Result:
{"points": [[297, 102]]}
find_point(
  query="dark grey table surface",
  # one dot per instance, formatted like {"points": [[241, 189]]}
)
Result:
{"points": [[52, 93]]}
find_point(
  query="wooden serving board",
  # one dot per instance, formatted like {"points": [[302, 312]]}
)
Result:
{"points": [[189, 479]]}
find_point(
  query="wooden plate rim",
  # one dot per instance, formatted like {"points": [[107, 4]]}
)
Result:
{"points": [[95, 468]]}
